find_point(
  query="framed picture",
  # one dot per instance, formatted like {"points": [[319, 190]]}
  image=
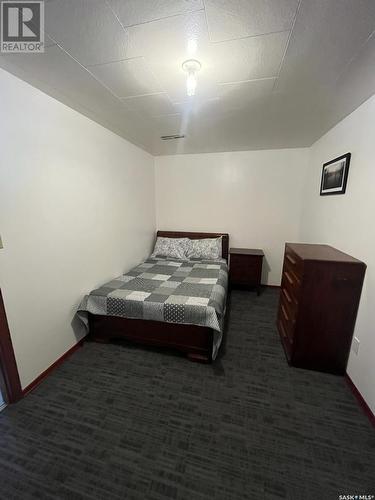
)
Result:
{"points": [[335, 175]]}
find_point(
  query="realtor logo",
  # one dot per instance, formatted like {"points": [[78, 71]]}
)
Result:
{"points": [[22, 27]]}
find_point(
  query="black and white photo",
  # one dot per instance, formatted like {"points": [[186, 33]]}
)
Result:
{"points": [[335, 175]]}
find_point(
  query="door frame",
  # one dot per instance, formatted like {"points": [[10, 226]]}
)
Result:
{"points": [[8, 365]]}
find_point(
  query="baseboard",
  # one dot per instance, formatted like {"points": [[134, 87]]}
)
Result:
{"points": [[362, 403], [54, 365], [271, 286]]}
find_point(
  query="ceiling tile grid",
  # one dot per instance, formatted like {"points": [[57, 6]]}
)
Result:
{"points": [[133, 12], [127, 78], [265, 65], [86, 29], [151, 105], [232, 19]]}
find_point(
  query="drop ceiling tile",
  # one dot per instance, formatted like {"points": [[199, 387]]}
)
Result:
{"points": [[175, 86], [175, 38], [244, 94], [356, 82], [55, 68], [169, 124], [59, 72], [326, 36], [87, 29], [246, 59], [233, 96], [59, 76], [131, 77], [166, 44], [134, 12], [151, 104], [196, 106], [232, 19]]}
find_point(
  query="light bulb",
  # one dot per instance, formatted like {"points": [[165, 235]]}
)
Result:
{"points": [[191, 84], [191, 66]]}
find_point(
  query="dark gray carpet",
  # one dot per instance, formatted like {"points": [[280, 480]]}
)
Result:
{"points": [[119, 422]]}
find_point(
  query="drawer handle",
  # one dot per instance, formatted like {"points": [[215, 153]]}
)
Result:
{"points": [[285, 314], [287, 295], [288, 277], [282, 329], [290, 259], [295, 277]]}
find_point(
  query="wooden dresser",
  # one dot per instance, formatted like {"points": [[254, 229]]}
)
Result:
{"points": [[319, 298]]}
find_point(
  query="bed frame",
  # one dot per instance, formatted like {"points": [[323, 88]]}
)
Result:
{"points": [[195, 341]]}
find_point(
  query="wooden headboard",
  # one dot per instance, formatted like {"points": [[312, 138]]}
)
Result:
{"points": [[199, 236]]}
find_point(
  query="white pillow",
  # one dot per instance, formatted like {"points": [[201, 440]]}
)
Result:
{"points": [[171, 247], [206, 248]]}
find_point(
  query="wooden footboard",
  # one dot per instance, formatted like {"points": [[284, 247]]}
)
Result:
{"points": [[195, 341]]}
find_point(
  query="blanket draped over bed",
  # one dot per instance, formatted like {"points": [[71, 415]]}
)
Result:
{"points": [[167, 290]]}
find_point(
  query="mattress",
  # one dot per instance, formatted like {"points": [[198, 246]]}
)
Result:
{"points": [[167, 290]]}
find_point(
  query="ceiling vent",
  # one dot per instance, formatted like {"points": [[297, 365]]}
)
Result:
{"points": [[171, 137]]}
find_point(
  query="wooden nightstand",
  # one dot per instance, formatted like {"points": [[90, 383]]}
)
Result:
{"points": [[245, 267]]}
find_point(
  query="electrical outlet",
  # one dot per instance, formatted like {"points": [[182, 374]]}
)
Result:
{"points": [[355, 344]]}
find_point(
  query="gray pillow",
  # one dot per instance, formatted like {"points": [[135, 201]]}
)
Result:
{"points": [[171, 247], [206, 248]]}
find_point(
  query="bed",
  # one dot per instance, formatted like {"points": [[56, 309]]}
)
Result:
{"points": [[165, 302]]}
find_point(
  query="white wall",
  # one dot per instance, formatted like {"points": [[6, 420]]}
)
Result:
{"points": [[255, 196], [347, 222], [76, 209]]}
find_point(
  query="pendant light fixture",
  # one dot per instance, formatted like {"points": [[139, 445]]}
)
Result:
{"points": [[191, 66]]}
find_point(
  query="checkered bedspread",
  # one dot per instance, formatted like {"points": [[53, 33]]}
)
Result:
{"points": [[169, 290]]}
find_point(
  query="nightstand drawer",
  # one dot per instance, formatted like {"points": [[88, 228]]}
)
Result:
{"points": [[245, 267]]}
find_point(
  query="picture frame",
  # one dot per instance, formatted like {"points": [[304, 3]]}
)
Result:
{"points": [[335, 175]]}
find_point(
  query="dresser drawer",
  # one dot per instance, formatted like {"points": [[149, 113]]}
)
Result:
{"points": [[290, 308], [287, 321], [289, 299], [291, 283], [293, 261], [285, 339]]}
